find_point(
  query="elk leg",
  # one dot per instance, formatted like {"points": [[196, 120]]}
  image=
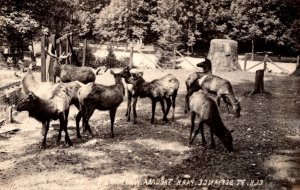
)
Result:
{"points": [[62, 121], [66, 117], [173, 104], [218, 100], [193, 116], [187, 97], [226, 103], [46, 128], [86, 117], [201, 126], [162, 103], [112, 114], [169, 102], [153, 111], [59, 134], [66, 113], [195, 134], [129, 98], [134, 109], [213, 145], [78, 117]]}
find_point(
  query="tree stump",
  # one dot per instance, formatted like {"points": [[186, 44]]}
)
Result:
{"points": [[297, 70], [259, 82], [223, 55]]}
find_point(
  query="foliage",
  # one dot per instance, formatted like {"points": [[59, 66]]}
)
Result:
{"points": [[168, 23], [252, 20], [111, 61], [90, 59], [16, 26]]}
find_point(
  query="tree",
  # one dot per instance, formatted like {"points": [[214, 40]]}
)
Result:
{"points": [[16, 26], [256, 19], [121, 21]]}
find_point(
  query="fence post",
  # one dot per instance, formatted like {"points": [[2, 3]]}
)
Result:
{"points": [[51, 64], [43, 59], [131, 55], [84, 52], [60, 51], [245, 61], [70, 44], [67, 48], [265, 62], [9, 112], [174, 57]]}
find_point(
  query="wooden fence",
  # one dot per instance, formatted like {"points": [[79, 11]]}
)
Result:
{"points": [[265, 61], [58, 46]]}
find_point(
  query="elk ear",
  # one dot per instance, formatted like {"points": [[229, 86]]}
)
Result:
{"points": [[240, 99], [31, 96], [140, 74]]}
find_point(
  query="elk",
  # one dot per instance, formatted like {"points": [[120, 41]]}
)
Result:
{"points": [[47, 109], [206, 109], [94, 96], [220, 87], [68, 73], [158, 90], [206, 66], [127, 73]]}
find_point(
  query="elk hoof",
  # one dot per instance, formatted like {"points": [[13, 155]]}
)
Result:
{"points": [[43, 146], [166, 120], [58, 138]]}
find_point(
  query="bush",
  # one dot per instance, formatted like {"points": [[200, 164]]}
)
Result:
{"points": [[165, 59], [90, 59], [111, 61]]}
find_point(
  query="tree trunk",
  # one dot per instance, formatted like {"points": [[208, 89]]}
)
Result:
{"points": [[259, 82], [223, 55], [297, 71], [252, 48]]}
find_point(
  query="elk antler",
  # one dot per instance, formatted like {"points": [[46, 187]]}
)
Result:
{"points": [[64, 55], [52, 55]]}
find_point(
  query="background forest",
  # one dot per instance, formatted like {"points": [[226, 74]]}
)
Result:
{"points": [[266, 25]]}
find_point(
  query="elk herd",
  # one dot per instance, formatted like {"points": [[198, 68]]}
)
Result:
{"points": [[46, 101]]}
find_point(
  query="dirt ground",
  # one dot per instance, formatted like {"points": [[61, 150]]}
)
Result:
{"points": [[266, 138]]}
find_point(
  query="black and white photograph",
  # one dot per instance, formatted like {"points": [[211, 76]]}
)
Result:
{"points": [[149, 94]]}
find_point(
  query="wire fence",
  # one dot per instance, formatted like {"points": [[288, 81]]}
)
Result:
{"points": [[10, 95]]}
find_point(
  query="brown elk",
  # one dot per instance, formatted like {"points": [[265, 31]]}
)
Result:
{"points": [[206, 109], [220, 87], [162, 89], [94, 96], [206, 66], [68, 73]]}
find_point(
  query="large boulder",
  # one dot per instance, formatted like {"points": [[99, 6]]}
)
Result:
{"points": [[223, 55]]}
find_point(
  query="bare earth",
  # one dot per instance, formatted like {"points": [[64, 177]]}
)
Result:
{"points": [[145, 156]]}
